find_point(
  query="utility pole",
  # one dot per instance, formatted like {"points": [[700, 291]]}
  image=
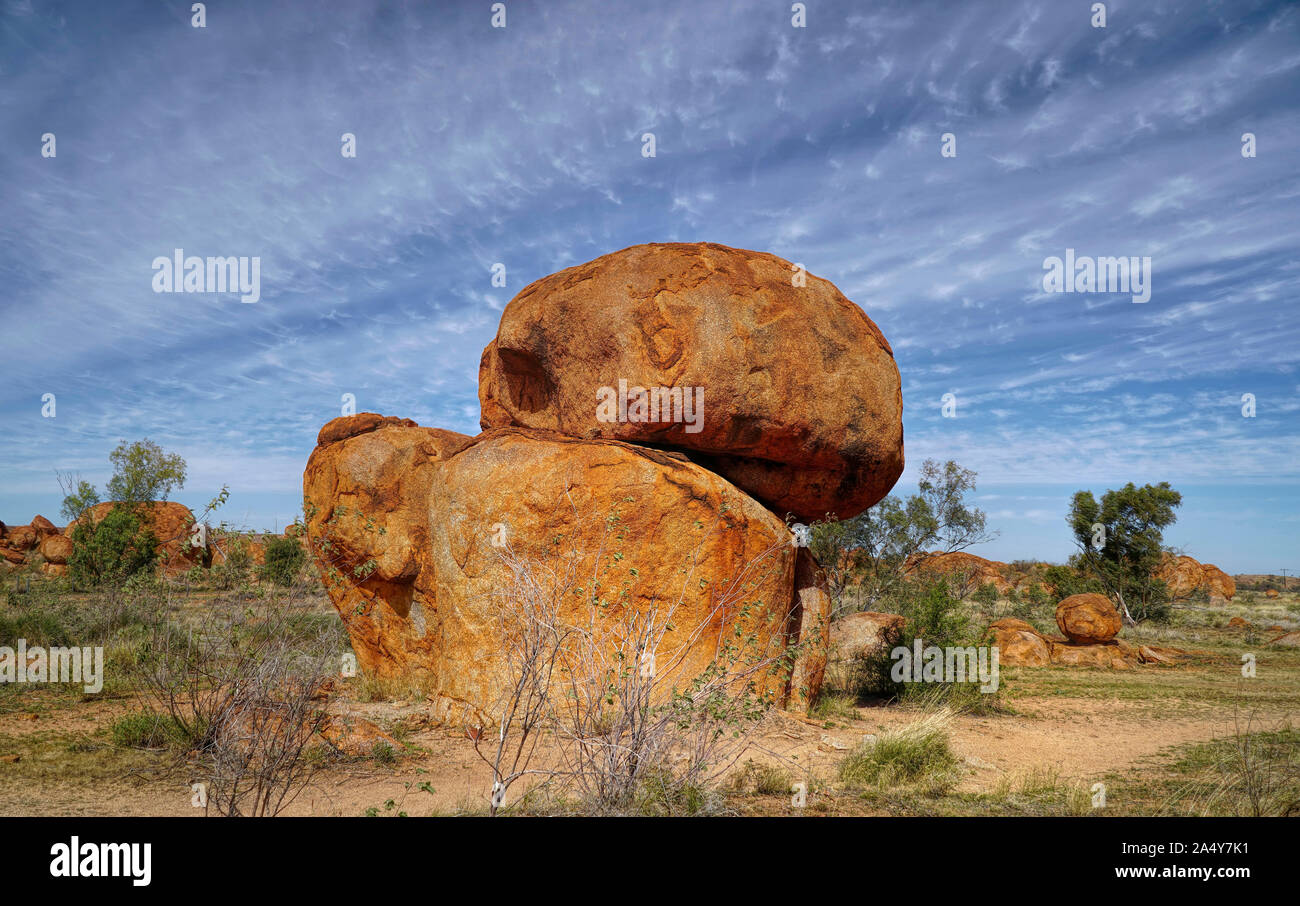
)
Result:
{"points": [[1285, 586]]}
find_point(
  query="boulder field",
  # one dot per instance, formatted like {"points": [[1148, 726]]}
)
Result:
{"points": [[1089, 624], [649, 422], [1089, 628], [171, 522]]}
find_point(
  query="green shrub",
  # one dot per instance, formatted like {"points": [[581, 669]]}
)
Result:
{"points": [[936, 617], [1066, 581], [145, 730], [120, 546], [284, 559]]}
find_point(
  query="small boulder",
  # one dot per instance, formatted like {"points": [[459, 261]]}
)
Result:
{"points": [[1020, 644], [1088, 618], [1270, 593], [43, 527], [56, 548], [865, 633], [22, 538]]}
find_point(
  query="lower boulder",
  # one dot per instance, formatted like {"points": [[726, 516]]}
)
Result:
{"points": [[1020, 644], [601, 536]]}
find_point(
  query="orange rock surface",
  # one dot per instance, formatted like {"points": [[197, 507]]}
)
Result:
{"points": [[802, 406]]}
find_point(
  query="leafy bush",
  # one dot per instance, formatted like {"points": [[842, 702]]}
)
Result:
{"points": [[935, 616], [1066, 581], [121, 546], [986, 595], [284, 558]]}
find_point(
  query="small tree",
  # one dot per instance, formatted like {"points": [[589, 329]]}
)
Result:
{"points": [[79, 495], [143, 471], [1120, 544], [871, 550]]}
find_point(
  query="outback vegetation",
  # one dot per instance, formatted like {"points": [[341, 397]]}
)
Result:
{"points": [[232, 684]]}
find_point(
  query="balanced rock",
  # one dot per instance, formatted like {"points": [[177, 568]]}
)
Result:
{"points": [[1088, 618], [43, 527], [478, 531], [765, 375]]}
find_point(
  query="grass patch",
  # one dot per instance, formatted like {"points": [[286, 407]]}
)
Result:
{"points": [[916, 755]]}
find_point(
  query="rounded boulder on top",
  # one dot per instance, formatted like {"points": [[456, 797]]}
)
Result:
{"points": [[787, 388]]}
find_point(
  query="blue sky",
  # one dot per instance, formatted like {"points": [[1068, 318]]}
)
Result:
{"points": [[522, 145]]}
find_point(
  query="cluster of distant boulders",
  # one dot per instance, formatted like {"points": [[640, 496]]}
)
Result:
{"points": [[180, 546], [1184, 575], [38, 541], [1089, 625], [672, 404]]}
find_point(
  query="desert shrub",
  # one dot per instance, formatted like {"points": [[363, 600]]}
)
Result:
{"points": [[236, 562], [244, 693], [1036, 607], [662, 794], [934, 614], [145, 730], [935, 617], [39, 627], [119, 547], [763, 779], [986, 595], [916, 754], [284, 559], [1043, 791], [603, 680], [1253, 773]]}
